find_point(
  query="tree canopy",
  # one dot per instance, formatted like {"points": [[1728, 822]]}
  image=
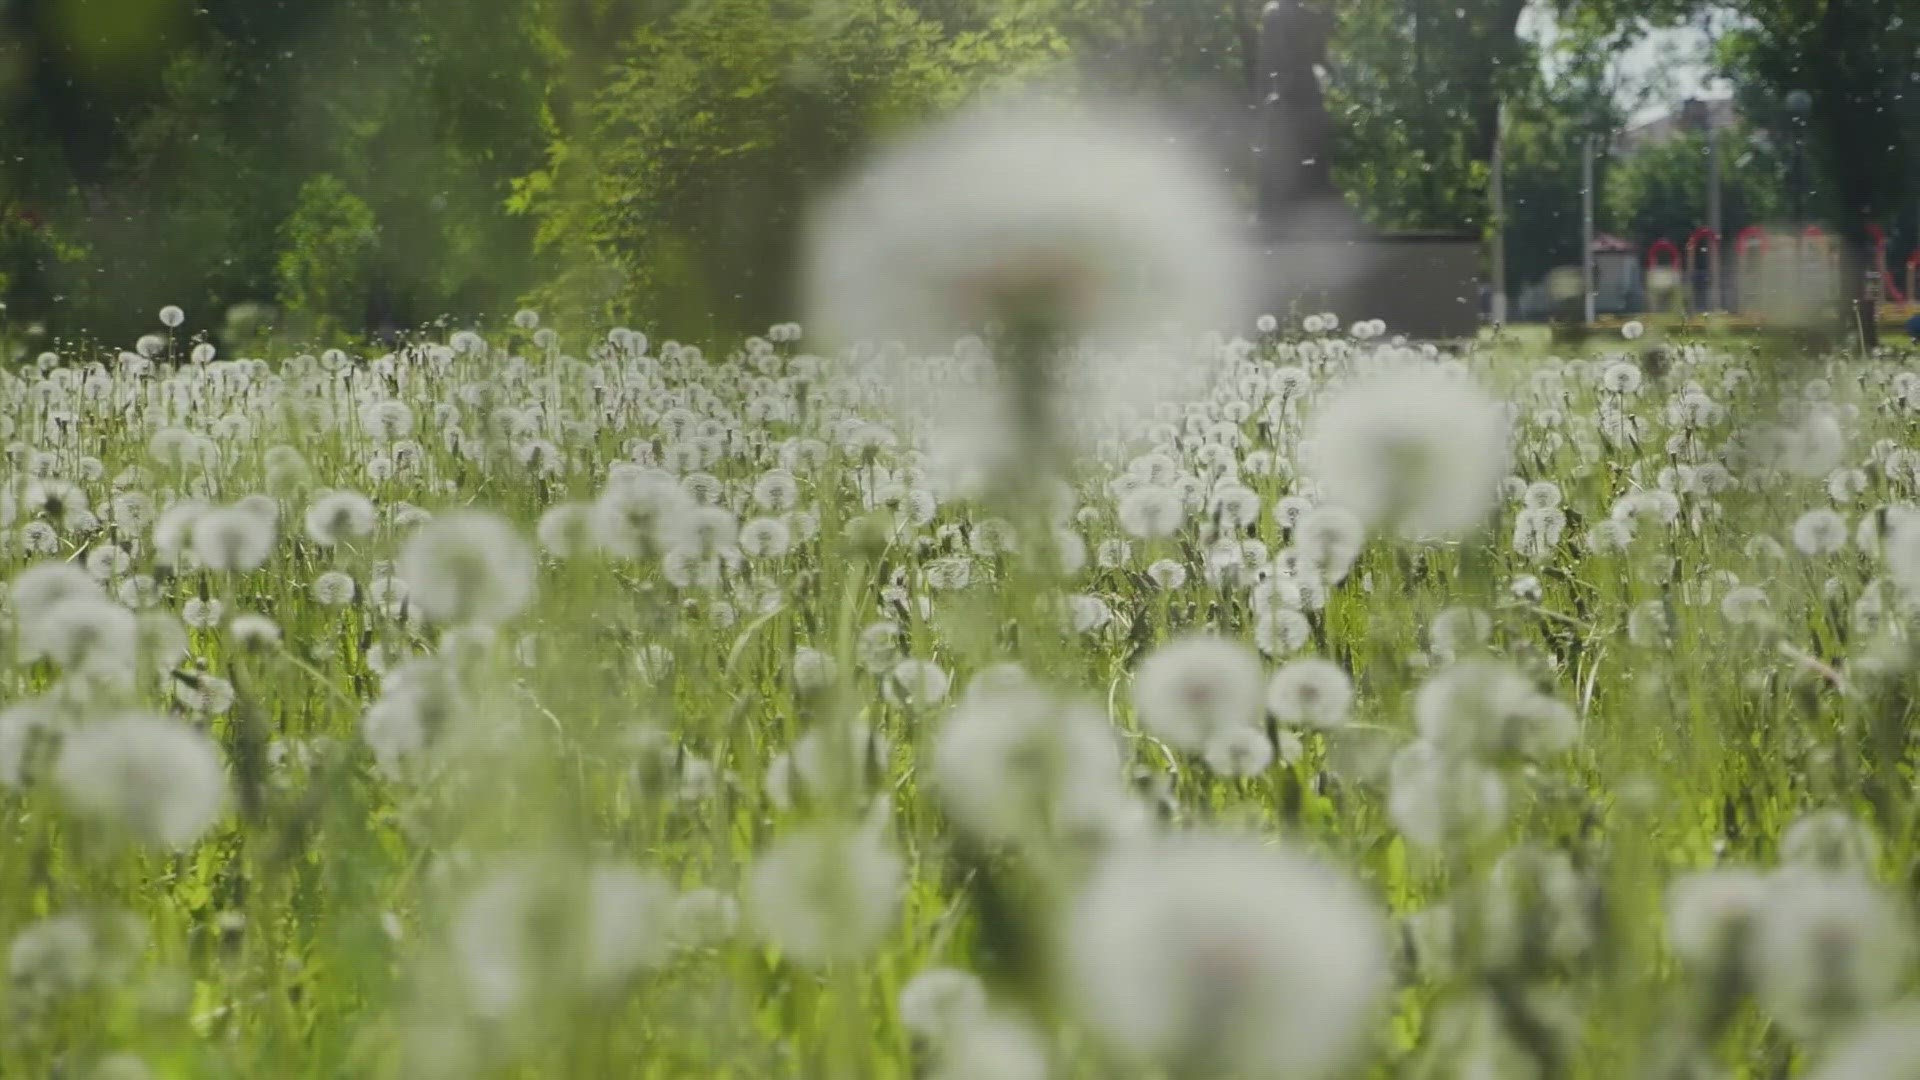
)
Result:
{"points": [[369, 165]]}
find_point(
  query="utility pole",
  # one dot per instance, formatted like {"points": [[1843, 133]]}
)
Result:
{"points": [[1717, 299], [1497, 189], [1586, 226]]}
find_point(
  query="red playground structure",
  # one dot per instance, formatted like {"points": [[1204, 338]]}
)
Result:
{"points": [[1697, 269]]}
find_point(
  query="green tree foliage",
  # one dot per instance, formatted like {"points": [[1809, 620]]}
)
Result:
{"points": [[173, 159], [652, 158], [683, 194], [1858, 64], [1661, 190], [1413, 86], [1416, 86], [328, 248], [1160, 45]]}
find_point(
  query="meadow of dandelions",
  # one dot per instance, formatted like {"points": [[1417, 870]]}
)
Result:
{"points": [[547, 702]]}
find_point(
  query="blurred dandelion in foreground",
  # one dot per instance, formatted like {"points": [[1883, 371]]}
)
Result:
{"points": [[1076, 238], [468, 566], [159, 780], [1020, 765], [527, 933], [939, 1000], [1411, 448], [826, 893], [1226, 957], [68, 954], [1194, 688], [1886, 1047]]}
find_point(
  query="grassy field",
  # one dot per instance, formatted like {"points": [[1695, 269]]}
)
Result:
{"points": [[554, 705]]}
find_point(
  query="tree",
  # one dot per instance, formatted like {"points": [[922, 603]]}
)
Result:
{"points": [[161, 154], [1545, 126], [328, 246], [1417, 86], [1660, 190], [1413, 86], [1858, 63], [684, 192]]}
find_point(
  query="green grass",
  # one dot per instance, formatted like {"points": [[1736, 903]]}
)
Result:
{"points": [[308, 934]]}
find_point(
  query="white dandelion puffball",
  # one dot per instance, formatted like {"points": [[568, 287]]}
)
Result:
{"points": [[1019, 198], [159, 780], [1192, 688], [1491, 708], [704, 917], [232, 538], [939, 1000], [90, 637], [528, 931], [1830, 840], [1018, 764], [1412, 449], [1886, 1047], [1310, 693], [995, 1045], [1098, 249], [1152, 512], [826, 893], [1239, 752], [1227, 957], [1830, 947], [1437, 799], [1711, 916], [40, 588], [468, 566], [337, 517]]}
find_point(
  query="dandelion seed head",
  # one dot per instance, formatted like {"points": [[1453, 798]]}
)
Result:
{"points": [[1712, 915], [87, 637], [825, 893], [340, 517], [1488, 707], [157, 780], [1411, 449], [232, 539], [1252, 959], [941, 235], [35, 591], [532, 929], [468, 567], [992, 1044], [1310, 693], [1820, 532], [1831, 948], [1282, 632], [1016, 764], [1746, 605], [1238, 752], [1830, 840], [937, 1001], [1190, 689], [1438, 799]]}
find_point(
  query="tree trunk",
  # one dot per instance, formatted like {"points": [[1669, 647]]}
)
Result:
{"points": [[1859, 319], [1503, 33], [1854, 140]]}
